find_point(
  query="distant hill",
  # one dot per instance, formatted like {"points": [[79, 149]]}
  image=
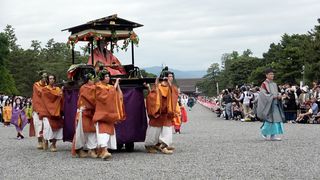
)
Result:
{"points": [[178, 73]]}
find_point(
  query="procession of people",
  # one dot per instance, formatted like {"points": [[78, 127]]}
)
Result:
{"points": [[100, 107]]}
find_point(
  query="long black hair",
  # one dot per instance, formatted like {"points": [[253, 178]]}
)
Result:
{"points": [[20, 105], [54, 77], [7, 102]]}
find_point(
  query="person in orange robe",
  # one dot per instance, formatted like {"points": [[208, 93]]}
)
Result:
{"points": [[38, 107], [85, 136], [184, 114], [7, 112], [183, 118], [52, 100], [177, 120], [109, 110], [162, 103]]}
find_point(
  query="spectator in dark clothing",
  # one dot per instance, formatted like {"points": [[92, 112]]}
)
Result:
{"points": [[190, 103], [227, 100], [290, 106]]}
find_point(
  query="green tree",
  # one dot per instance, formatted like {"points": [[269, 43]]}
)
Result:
{"points": [[288, 57], [7, 84], [208, 84], [12, 39], [36, 46], [312, 64], [144, 73], [237, 68]]}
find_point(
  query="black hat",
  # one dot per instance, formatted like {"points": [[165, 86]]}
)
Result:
{"points": [[165, 72]]}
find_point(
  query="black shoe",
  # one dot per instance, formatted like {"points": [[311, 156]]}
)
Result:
{"points": [[20, 135]]}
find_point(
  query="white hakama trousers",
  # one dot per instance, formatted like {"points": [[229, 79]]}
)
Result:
{"points": [[48, 133], [106, 140], [84, 140], [89, 141], [38, 124], [157, 135]]}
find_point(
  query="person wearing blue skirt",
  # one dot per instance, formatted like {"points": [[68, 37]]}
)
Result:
{"points": [[270, 108]]}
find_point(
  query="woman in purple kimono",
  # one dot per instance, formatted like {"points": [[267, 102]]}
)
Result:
{"points": [[19, 119]]}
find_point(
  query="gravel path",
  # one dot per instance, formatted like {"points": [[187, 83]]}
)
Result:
{"points": [[207, 148]]}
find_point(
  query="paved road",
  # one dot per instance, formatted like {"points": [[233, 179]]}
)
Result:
{"points": [[208, 148]]}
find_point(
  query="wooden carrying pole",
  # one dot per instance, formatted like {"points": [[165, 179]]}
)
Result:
{"points": [[92, 59], [72, 53], [132, 52]]}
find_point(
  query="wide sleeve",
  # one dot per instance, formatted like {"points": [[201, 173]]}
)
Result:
{"points": [[109, 105], [264, 103], [120, 106], [153, 103], [52, 101], [87, 97], [36, 97]]}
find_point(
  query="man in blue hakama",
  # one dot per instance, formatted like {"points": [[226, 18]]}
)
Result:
{"points": [[270, 108]]}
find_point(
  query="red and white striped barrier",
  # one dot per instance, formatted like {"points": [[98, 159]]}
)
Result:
{"points": [[207, 104]]}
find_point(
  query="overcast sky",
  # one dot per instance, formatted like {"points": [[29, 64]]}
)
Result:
{"points": [[183, 34]]}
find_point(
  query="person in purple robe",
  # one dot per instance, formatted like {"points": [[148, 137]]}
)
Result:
{"points": [[19, 118]]}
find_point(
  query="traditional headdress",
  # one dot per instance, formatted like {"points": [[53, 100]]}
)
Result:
{"points": [[89, 76], [43, 74], [102, 74], [165, 72]]}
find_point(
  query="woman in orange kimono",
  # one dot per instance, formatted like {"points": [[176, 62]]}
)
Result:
{"points": [[38, 108], [183, 118], [162, 103], [109, 110], [52, 120], [85, 135], [178, 119], [7, 112]]}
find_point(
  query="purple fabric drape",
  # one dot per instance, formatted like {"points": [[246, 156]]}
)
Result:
{"points": [[15, 118], [70, 111], [134, 128]]}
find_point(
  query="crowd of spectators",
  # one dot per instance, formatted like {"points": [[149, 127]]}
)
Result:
{"points": [[300, 103]]}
